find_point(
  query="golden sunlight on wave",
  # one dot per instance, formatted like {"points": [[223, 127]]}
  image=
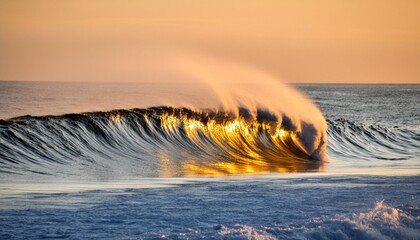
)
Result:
{"points": [[116, 118], [234, 146]]}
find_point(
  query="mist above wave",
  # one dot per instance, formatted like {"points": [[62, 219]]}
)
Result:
{"points": [[194, 82]]}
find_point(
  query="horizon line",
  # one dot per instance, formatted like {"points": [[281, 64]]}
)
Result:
{"points": [[293, 83]]}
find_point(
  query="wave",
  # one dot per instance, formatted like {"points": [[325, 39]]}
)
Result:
{"points": [[381, 222], [349, 140], [159, 141], [167, 142]]}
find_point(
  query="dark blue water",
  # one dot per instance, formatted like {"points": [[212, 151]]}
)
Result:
{"points": [[270, 207]]}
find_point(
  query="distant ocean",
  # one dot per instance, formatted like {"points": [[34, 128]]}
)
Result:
{"points": [[96, 160]]}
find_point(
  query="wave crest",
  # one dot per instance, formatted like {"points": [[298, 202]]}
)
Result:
{"points": [[159, 141]]}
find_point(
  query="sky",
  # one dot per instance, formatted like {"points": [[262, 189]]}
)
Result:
{"points": [[322, 41]]}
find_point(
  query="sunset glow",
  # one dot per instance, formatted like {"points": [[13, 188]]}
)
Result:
{"points": [[372, 41]]}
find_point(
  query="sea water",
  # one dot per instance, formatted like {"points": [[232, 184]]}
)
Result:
{"points": [[113, 174]]}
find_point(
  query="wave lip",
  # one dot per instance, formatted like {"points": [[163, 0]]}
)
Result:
{"points": [[159, 141]]}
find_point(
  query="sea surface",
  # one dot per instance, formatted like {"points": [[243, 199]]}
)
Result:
{"points": [[97, 161]]}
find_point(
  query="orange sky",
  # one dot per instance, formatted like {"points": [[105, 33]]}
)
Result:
{"points": [[336, 41]]}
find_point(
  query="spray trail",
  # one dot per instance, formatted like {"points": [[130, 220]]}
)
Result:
{"points": [[236, 119]]}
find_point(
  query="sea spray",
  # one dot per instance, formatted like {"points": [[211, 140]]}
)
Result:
{"points": [[234, 119]]}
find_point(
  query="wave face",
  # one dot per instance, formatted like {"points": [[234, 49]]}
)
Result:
{"points": [[160, 141], [167, 142], [349, 140]]}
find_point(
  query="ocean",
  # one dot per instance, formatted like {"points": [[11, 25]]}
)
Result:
{"points": [[119, 161]]}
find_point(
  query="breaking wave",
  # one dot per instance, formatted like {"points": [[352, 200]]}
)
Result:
{"points": [[167, 142], [381, 222], [160, 141]]}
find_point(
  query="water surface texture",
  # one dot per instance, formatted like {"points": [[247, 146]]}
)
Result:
{"points": [[96, 160]]}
